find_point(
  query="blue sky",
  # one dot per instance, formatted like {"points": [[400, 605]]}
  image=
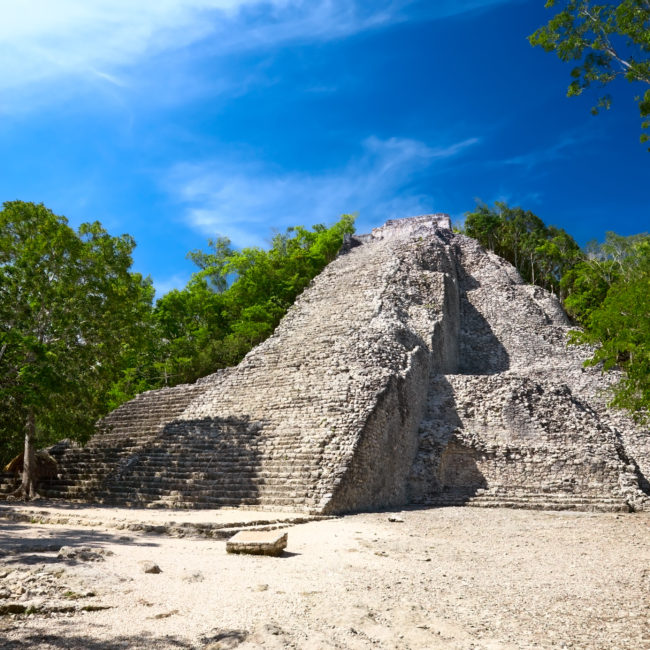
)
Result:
{"points": [[176, 120]]}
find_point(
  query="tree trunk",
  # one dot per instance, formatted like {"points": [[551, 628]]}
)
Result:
{"points": [[27, 489], [532, 268]]}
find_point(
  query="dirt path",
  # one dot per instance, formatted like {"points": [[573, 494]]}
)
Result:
{"points": [[443, 578]]}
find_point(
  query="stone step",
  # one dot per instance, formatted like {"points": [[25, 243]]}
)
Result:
{"points": [[199, 464], [165, 485], [533, 501], [545, 496], [195, 489], [182, 477], [241, 457], [212, 501], [167, 449], [209, 473], [594, 506]]}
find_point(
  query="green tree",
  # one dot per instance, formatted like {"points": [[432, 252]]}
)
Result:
{"points": [[190, 325], [212, 263], [69, 309], [542, 254], [587, 283], [606, 41], [609, 293]]}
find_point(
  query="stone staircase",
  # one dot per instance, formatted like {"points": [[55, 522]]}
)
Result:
{"points": [[275, 432], [212, 467], [85, 471]]}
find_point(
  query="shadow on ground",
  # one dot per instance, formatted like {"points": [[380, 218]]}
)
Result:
{"points": [[20, 543], [83, 642], [39, 638]]}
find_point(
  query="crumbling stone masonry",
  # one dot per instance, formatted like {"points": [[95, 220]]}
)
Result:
{"points": [[416, 368]]}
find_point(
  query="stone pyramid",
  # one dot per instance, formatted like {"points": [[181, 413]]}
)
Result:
{"points": [[416, 368]]}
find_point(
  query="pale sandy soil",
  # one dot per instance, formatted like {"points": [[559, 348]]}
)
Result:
{"points": [[452, 578]]}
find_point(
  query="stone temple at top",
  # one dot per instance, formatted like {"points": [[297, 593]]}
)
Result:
{"points": [[417, 368]]}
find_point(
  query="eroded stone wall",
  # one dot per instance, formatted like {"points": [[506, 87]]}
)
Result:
{"points": [[523, 422]]}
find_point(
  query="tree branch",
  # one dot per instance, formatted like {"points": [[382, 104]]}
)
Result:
{"points": [[610, 49]]}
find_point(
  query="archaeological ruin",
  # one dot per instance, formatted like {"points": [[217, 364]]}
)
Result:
{"points": [[417, 368]]}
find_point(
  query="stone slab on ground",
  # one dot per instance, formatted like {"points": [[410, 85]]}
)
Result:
{"points": [[271, 542]]}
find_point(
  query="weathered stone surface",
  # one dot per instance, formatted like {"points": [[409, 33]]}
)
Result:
{"points": [[417, 367], [258, 542], [83, 553], [150, 567]]}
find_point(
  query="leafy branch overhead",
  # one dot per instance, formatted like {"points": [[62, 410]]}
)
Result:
{"points": [[608, 41]]}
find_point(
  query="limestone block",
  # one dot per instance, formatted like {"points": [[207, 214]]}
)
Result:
{"points": [[150, 567], [258, 542]]}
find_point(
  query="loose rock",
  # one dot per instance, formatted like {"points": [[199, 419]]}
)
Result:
{"points": [[150, 567], [257, 542], [83, 553]]}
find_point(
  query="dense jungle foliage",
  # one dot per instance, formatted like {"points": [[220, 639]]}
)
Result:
{"points": [[605, 289], [69, 306]]}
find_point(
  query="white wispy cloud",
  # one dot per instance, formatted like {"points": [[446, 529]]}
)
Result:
{"points": [[42, 41], [555, 151], [242, 200], [167, 284]]}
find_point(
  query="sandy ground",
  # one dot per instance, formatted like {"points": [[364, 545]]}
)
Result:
{"points": [[450, 578]]}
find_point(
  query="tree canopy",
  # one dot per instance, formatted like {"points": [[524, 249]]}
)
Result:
{"points": [[606, 41], [69, 310], [541, 253]]}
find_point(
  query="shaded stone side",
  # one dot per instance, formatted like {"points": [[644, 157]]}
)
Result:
{"points": [[379, 463], [524, 424], [86, 471]]}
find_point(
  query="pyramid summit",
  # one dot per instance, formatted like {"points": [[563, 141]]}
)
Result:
{"points": [[416, 368]]}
